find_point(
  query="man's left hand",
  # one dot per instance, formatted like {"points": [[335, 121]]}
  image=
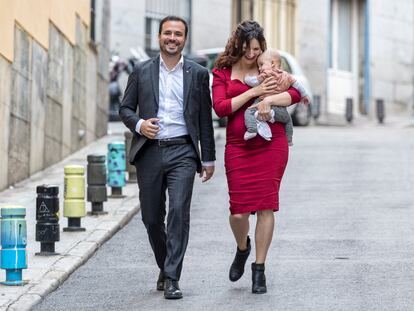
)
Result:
{"points": [[206, 173]]}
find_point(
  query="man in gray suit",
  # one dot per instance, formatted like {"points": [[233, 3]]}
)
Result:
{"points": [[167, 106]]}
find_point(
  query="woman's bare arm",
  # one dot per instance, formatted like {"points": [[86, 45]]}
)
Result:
{"points": [[283, 99]]}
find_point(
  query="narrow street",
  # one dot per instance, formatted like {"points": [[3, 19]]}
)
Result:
{"points": [[343, 239]]}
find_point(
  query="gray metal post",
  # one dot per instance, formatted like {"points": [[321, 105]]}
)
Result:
{"points": [[316, 106], [349, 110], [380, 110]]}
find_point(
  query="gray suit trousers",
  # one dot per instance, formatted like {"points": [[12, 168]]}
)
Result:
{"points": [[161, 169]]}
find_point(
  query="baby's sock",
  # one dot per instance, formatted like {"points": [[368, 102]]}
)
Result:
{"points": [[249, 135]]}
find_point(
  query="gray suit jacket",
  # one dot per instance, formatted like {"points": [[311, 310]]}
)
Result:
{"points": [[141, 99]]}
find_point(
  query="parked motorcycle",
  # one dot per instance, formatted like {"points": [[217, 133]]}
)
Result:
{"points": [[117, 67]]}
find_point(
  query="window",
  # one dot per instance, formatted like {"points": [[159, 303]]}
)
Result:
{"points": [[341, 35], [151, 35]]}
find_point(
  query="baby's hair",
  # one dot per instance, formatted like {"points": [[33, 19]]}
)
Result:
{"points": [[273, 55]]}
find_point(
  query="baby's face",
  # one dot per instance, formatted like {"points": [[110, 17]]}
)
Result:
{"points": [[264, 63]]}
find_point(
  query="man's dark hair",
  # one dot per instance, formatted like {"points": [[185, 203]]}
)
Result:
{"points": [[173, 18]]}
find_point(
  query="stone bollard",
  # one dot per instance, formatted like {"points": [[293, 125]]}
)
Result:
{"points": [[116, 168], [96, 179], [132, 173], [13, 244], [74, 197], [47, 217]]}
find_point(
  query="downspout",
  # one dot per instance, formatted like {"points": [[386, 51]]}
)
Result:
{"points": [[324, 107], [367, 76], [412, 97], [190, 21]]}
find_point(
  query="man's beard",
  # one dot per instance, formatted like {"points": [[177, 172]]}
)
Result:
{"points": [[177, 50]]}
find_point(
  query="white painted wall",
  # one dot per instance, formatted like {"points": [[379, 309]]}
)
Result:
{"points": [[392, 54], [391, 51], [127, 26], [313, 44], [211, 23]]}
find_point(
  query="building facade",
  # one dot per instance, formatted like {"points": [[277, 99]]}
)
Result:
{"points": [[356, 50], [135, 24], [53, 81], [277, 17]]}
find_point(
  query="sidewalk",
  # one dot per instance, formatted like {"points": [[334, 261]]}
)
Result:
{"points": [[45, 274]]}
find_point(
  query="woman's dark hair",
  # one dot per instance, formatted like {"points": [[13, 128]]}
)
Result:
{"points": [[245, 32], [173, 18]]}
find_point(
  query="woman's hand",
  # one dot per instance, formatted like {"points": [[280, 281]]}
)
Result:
{"points": [[265, 88], [263, 110]]}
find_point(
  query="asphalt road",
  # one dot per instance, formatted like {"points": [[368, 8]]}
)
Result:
{"points": [[343, 241]]}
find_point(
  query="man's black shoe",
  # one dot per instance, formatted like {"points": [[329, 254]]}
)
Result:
{"points": [[172, 290], [161, 281], [237, 267]]}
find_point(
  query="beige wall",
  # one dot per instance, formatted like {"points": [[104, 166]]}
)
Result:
{"points": [[34, 16], [277, 17]]}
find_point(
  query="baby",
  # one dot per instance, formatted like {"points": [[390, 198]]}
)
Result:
{"points": [[269, 63]]}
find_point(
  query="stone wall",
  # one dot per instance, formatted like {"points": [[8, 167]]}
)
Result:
{"points": [[19, 125], [38, 107], [55, 88], [52, 101], [67, 98], [5, 94], [78, 125]]}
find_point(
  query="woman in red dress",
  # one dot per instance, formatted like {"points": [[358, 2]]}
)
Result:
{"points": [[254, 168]]}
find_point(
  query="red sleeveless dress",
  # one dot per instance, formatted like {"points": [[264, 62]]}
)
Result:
{"points": [[254, 168]]}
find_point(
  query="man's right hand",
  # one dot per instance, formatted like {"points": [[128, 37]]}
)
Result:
{"points": [[149, 128]]}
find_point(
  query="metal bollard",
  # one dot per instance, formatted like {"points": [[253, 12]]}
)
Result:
{"points": [[47, 217], [380, 110], [116, 168], [349, 110], [13, 244], [74, 197], [316, 107], [132, 173], [96, 179]]}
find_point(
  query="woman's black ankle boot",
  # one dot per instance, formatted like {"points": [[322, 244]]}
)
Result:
{"points": [[237, 267], [258, 278]]}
